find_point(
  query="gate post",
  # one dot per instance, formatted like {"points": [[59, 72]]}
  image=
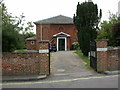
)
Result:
{"points": [[45, 59], [102, 55]]}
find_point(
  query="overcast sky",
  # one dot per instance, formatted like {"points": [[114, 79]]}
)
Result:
{"points": [[35, 10]]}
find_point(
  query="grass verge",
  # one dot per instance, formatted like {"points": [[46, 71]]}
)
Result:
{"points": [[84, 58], [23, 51]]}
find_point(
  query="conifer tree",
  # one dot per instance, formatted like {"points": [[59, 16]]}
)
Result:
{"points": [[86, 21]]}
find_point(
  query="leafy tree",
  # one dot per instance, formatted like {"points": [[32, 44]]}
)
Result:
{"points": [[115, 40], [23, 27], [11, 39], [110, 30], [29, 34], [0, 27], [86, 21], [105, 31], [13, 31]]}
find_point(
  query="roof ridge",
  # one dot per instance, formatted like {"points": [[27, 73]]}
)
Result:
{"points": [[56, 19]]}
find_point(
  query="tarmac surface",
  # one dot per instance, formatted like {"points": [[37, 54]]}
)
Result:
{"points": [[67, 62]]}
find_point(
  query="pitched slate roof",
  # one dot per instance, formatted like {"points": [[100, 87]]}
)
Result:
{"points": [[31, 38], [60, 19]]}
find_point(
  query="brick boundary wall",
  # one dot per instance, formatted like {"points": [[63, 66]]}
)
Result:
{"points": [[28, 63], [108, 58], [113, 58]]}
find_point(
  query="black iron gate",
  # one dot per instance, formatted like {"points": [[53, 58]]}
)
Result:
{"points": [[93, 55]]}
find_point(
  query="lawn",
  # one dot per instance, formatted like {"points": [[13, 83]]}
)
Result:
{"points": [[85, 58], [24, 50]]}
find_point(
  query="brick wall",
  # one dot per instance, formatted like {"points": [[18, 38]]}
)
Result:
{"points": [[28, 63], [113, 58], [25, 64], [48, 30], [31, 46], [43, 44], [108, 58]]}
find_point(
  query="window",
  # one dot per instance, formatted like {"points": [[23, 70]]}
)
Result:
{"points": [[32, 42], [61, 28]]}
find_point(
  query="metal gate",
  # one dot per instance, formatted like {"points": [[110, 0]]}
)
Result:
{"points": [[93, 55]]}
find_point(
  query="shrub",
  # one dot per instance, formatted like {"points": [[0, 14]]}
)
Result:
{"points": [[110, 30], [75, 46], [115, 40]]}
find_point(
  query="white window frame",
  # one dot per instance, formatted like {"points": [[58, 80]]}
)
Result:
{"points": [[32, 42]]}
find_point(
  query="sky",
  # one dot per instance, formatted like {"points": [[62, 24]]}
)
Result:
{"points": [[35, 10]]}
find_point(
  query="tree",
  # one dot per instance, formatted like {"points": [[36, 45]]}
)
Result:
{"points": [[86, 21], [12, 31], [29, 34], [1, 1], [105, 31], [24, 28], [0, 28], [11, 39], [115, 40], [110, 30]]}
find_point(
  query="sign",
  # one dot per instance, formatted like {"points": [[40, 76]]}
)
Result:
{"points": [[43, 51], [101, 49]]}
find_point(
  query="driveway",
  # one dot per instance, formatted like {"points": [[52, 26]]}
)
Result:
{"points": [[68, 62]]}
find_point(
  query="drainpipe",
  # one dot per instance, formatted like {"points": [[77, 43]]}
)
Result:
{"points": [[41, 30]]}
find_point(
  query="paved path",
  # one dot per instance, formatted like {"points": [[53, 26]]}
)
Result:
{"points": [[67, 62]]}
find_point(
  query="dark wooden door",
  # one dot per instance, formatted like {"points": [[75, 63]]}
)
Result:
{"points": [[61, 44]]}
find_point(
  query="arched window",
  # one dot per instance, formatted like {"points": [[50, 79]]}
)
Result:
{"points": [[61, 28]]}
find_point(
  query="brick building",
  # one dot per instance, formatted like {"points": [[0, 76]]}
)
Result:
{"points": [[59, 30]]}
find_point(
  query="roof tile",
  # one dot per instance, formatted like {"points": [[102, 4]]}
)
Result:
{"points": [[60, 19]]}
